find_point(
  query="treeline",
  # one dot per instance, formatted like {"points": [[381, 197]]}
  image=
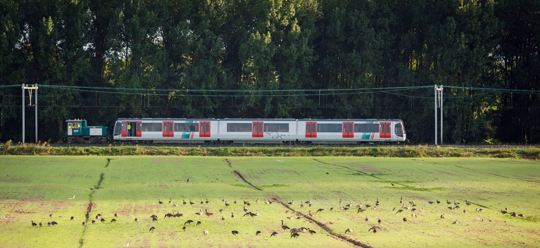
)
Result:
{"points": [[276, 44]]}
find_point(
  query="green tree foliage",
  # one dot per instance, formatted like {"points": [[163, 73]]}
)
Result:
{"points": [[276, 45]]}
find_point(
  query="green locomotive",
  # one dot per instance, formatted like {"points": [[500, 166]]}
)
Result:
{"points": [[78, 131]]}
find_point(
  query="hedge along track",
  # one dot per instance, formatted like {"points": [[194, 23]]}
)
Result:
{"points": [[275, 198]]}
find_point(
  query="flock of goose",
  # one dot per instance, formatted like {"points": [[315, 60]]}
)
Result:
{"points": [[294, 232]]}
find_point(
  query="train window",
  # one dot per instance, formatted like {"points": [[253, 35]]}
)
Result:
{"points": [[366, 128], [117, 128], [329, 128], [276, 127], [238, 127], [186, 127], [151, 127], [399, 130]]}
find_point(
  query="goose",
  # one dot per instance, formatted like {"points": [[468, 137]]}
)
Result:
{"points": [[348, 230], [274, 233], [283, 226], [374, 229], [257, 232], [151, 229], [234, 232]]}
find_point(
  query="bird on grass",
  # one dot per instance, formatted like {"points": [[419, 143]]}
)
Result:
{"points": [[274, 233], [374, 229], [283, 226], [151, 229], [234, 232], [257, 232], [348, 230]]}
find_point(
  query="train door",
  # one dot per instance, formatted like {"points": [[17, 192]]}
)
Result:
{"points": [[131, 129], [123, 129], [385, 130], [348, 131], [204, 129], [311, 129], [257, 131], [138, 128], [168, 130]]}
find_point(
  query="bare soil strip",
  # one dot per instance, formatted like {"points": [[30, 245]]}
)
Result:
{"points": [[90, 205], [323, 226], [228, 162], [237, 173]]}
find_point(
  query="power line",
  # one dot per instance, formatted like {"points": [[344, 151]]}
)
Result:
{"points": [[503, 90], [256, 93], [231, 90]]}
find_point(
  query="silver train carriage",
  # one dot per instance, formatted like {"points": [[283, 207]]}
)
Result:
{"points": [[176, 130]]}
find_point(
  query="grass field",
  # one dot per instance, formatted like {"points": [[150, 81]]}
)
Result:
{"points": [[33, 187]]}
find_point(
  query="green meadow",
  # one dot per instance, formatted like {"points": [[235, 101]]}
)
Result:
{"points": [[338, 199]]}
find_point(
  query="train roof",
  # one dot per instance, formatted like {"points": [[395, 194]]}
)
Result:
{"points": [[250, 119]]}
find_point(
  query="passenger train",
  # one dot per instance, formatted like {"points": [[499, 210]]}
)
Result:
{"points": [[226, 131]]}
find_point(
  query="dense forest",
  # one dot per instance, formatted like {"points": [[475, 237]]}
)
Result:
{"points": [[194, 47]]}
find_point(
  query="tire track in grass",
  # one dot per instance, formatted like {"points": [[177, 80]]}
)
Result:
{"points": [[382, 180], [310, 219], [323, 226], [90, 204]]}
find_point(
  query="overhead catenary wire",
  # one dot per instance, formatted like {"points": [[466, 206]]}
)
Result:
{"points": [[239, 93]]}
